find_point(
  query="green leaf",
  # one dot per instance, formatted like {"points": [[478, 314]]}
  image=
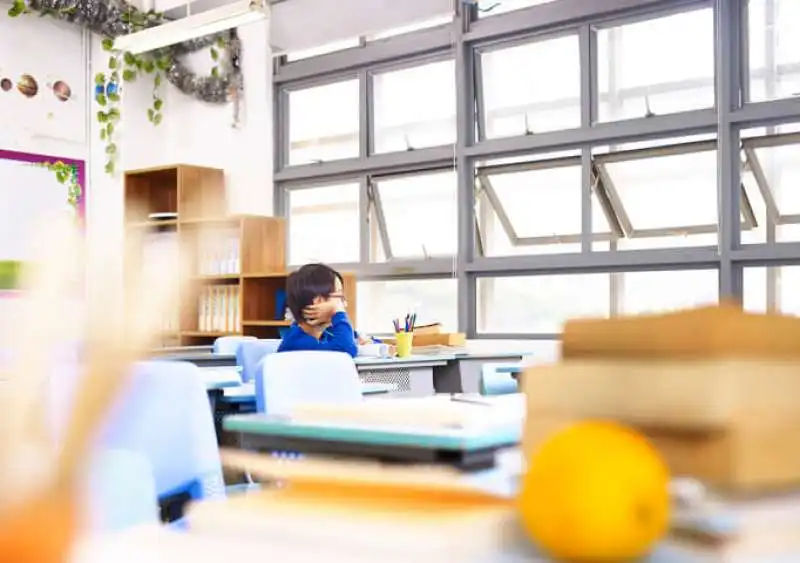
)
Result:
{"points": [[100, 78], [101, 100], [109, 168], [103, 134], [112, 62], [163, 63], [215, 71], [111, 148], [109, 129], [221, 43], [150, 114], [129, 75], [157, 119], [214, 54], [108, 44], [149, 66], [157, 80], [114, 76], [158, 103], [102, 117], [125, 17], [113, 97], [130, 59], [113, 114]]}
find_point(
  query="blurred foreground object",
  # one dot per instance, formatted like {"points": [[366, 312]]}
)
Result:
{"points": [[713, 388], [40, 507], [595, 491], [10, 274]]}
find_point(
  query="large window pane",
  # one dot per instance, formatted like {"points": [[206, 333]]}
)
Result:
{"points": [[381, 301], [531, 88], [774, 45], [323, 123], [643, 70], [415, 107], [323, 224], [772, 289], [535, 208], [649, 292], [420, 214], [664, 196], [540, 304]]}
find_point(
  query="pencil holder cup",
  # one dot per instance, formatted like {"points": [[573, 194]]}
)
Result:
{"points": [[404, 342]]}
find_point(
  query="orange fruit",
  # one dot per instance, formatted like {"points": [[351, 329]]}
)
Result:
{"points": [[595, 491], [40, 531]]}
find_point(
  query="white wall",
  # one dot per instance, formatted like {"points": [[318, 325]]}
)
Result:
{"points": [[191, 133]]}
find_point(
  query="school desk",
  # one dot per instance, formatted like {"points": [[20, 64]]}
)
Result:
{"points": [[488, 426], [412, 376], [464, 372]]}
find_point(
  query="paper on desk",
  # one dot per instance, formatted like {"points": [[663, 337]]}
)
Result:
{"points": [[438, 412]]}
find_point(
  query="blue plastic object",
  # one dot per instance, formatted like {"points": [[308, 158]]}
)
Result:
{"points": [[230, 344], [250, 353], [494, 382]]}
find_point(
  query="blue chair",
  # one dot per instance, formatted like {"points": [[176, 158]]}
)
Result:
{"points": [[229, 344], [164, 415], [289, 379], [494, 383], [120, 492], [250, 352]]}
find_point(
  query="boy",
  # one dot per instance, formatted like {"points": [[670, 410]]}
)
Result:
{"points": [[315, 297]]}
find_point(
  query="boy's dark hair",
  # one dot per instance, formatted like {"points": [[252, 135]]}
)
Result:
{"points": [[308, 283]]}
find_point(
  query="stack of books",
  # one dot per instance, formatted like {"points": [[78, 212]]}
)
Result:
{"points": [[219, 253], [219, 309]]}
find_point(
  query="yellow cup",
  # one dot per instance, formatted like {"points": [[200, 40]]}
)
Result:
{"points": [[404, 342]]}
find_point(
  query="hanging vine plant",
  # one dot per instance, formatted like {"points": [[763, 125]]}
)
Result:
{"points": [[114, 18], [67, 175]]}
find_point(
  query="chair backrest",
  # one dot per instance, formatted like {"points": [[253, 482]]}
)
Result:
{"points": [[165, 416], [494, 383], [229, 344], [289, 379], [249, 353]]}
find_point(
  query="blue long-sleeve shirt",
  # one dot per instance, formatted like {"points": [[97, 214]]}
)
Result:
{"points": [[338, 337]]}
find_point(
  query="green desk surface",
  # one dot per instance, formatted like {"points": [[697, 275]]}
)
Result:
{"points": [[445, 439]]}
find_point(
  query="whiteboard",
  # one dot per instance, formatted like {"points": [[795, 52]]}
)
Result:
{"points": [[29, 196]]}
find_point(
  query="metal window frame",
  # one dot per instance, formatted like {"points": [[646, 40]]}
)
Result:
{"points": [[730, 116]]}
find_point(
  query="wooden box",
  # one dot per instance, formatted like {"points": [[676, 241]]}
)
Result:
{"points": [[731, 423]]}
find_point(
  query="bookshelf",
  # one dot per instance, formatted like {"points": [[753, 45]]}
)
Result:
{"points": [[237, 264]]}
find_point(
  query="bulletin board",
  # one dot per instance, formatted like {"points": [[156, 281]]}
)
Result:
{"points": [[29, 195]]}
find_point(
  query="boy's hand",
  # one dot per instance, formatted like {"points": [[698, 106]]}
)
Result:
{"points": [[321, 313]]}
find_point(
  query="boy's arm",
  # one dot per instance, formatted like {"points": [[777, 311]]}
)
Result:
{"points": [[341, 337]]}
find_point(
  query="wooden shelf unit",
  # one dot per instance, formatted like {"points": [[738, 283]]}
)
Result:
{"points": [[239, 257]]}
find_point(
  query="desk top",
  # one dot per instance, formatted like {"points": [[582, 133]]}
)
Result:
{"points": [[497, 426], [514, 370], [433, 359], [221, 377]]}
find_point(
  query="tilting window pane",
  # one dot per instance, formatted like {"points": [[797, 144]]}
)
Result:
{"points": [[665, 196], [649, 292], [541, 208], [411, 28], [781, 166], [323, 123], [774, 46], [420, 213], [415, 107], [381, 301], [323, 224], [323, 49], [540, 304], [488, 8], [531, 88], [643, 70]]}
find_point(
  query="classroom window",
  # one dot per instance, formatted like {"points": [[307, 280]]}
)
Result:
{"points": [[326, 49], [324, 224], [414, 107], [535, 208], [323, 123], [531, 88], [774, 49], [411, 28], [417, 215], [660, 291], [772, 170], [666, 196], [644, 71], [487, 8], [434, 300], [773, 289], [540, 304]]}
